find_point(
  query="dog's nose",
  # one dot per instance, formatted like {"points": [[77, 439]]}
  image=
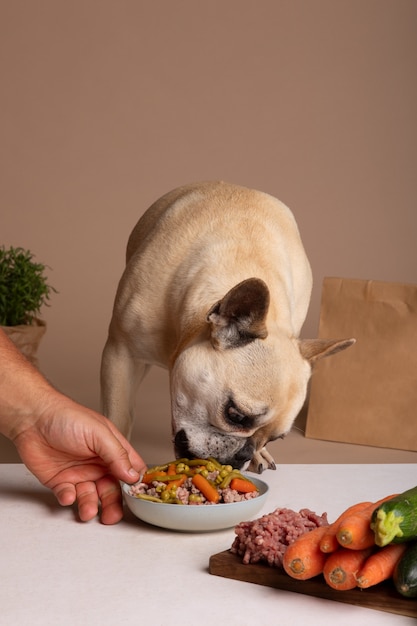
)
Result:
{"points": [[181, 445]]}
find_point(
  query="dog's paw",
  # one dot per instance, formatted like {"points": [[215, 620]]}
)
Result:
{"points": [[261, 461]]}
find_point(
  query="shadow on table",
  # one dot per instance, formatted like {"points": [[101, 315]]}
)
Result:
{"points": [[35, 494]]}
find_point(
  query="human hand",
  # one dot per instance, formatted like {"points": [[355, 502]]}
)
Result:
{"points": [[81, 456]]}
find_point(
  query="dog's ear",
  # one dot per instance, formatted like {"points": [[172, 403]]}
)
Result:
{"points": [[239, 317], [315, 349]]}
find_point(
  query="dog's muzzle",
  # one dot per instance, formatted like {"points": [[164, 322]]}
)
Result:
{"points": [[240, 458]]}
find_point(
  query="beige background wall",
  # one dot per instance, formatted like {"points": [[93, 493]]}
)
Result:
{"points": [[107, 105]]}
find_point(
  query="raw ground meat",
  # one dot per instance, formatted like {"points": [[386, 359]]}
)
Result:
{"points": [[267, 538]]}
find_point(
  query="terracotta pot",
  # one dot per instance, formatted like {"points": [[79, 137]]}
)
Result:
{"points": [[27, 338]]}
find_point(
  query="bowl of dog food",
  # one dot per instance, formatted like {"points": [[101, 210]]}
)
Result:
{"points": [[197, 495]]}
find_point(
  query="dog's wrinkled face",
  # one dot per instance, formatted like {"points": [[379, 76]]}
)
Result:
{"points": [[239, 385], [230, 403]]}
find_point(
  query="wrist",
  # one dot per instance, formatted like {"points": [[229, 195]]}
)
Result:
{"points": [[22, 411]]}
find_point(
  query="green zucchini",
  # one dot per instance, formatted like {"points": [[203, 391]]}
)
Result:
{"points": [[395, 520], [405, 573]]}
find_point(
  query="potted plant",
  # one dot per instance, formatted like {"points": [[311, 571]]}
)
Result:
{"points": [[24, 289]]}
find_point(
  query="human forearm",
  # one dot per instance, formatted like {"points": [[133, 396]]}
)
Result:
{"points": [[23, 390]]}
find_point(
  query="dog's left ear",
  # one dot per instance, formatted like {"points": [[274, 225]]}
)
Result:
{"points": [[315, 349], [239, 317]]}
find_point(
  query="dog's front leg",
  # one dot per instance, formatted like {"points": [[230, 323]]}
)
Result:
{"points": [[261, 461], [120, 378]]}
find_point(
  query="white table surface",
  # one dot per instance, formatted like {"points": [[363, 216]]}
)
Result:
{"points": [[56, 571]]}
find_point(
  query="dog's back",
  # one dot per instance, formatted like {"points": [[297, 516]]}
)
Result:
{"points": [[207, 237]]}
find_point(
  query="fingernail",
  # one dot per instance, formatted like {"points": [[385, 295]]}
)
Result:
{"points": [[133, 473]]}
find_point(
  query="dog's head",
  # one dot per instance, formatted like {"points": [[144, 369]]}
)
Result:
{"points": [[240, 384]]}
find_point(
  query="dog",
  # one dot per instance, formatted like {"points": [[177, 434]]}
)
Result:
{"points": [[216, 289]]}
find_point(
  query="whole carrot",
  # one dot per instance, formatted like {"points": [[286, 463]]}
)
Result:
{"points": [[341, 567], [380, 565], [242, 485], [329, 542], [303, 559], [355, 530], [208, 491]]}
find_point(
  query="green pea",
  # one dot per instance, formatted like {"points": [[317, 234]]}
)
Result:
{"points": [[166, 495], [193, 497]]}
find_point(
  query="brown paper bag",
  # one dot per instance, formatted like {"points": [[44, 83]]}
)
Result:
{"points": [[368, 393]]}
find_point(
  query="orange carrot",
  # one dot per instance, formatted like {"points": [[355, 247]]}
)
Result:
{"points": [[208, 491], [380, 565], [355, 531], [242, 485], [149, 477], [329, 542], [172, 469], [341, 567], [303, 559], [177, 482]]}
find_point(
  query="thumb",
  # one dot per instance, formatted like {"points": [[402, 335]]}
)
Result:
{"points": [[123, 461]]}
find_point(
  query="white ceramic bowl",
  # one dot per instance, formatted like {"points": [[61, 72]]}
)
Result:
{"points": [[196, 518]]}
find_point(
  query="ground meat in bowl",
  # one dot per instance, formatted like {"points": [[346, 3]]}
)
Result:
{"points": [[189, 494], [194, 482], [266, 538]]}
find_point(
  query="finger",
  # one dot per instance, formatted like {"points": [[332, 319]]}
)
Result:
{"points": [[87, 500], [65, 493], [123, 461], [110, 496]]}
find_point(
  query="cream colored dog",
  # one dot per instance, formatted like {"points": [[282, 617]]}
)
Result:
{"points": [[216, 289]]}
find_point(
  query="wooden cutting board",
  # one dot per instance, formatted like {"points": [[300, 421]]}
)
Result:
{"points": [[382, 597]]}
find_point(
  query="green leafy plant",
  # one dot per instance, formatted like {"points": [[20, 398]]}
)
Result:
{"points": [[24, 288]]}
